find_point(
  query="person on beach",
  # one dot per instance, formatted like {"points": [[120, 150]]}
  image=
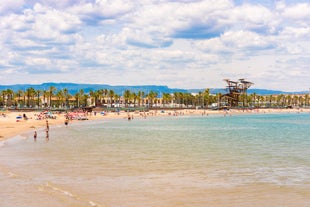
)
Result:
{"points": [[25, 117], [66, 122]]}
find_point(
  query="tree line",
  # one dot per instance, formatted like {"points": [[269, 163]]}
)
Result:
{"points": [[61, 98]]}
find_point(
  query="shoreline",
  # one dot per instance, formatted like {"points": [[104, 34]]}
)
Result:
{"points": [[11, 127]]}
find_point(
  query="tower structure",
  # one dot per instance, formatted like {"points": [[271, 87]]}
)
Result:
{"points": [[235, 90]]}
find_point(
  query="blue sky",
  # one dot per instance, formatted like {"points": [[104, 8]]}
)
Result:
{"points": [[183, 44]]}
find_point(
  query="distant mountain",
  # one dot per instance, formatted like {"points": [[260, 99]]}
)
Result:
{"points": [[75, 87]]}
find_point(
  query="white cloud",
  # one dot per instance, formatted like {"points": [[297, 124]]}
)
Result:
{"points": [[298, 12], [245, 40], [37, 61], [100, 11], [48, 23], [252, 17], [297, 33], [7, 6], [176, 43]]}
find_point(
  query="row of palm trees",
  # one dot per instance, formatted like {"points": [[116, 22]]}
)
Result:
{"points": [[281, 100], [53, 98], [31, 98]]}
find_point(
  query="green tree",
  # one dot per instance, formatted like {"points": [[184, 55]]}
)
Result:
{"points": [[30, 93], [111, 95], [60, 98], [67, 96], [307, 100], [127, 95], [19, 94], [38, 94], [3, 99], [166, 98], [51, 92], [134, 97], [95, 96], [79, 97], [206, 96], [151, 97], [140, 98], [10, 96]]}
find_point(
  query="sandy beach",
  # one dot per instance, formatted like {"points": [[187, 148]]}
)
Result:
{"points": [[10, 126]]}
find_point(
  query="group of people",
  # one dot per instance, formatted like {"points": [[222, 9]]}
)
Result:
{"points": [[47, 129]]}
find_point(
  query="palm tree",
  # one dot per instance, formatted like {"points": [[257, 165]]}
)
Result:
{"points": [[134, 96], [38, 93], [181, 99], [218, 99], [45, 94], [126, 97], [301, 101], [94, 95], [166, 98], [111, 95], [84, 99], [10, 94], [4, 96], [253, 98], [19, 93], [307, 100], [105, 95], [77, 99], [67, 96], [100, 95], [30, 92], [280, 100], [1, 99], [200, 99], [51, 91], [206, 95], [270, 100], [117, 99], [295, 100], [151, 96], [140, 97], [60, 98], [176, 98], [188, 99], [242, 98]]}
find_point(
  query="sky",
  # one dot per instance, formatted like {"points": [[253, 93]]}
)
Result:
{"points": [[178, 43]]}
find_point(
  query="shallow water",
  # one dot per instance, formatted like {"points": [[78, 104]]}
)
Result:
{"points": [[244, 160]]}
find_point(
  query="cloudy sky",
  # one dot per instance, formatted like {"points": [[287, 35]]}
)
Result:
{"points": [[178, 43]]}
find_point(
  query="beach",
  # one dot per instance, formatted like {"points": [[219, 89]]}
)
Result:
{"points": [[10, 126], [168, 158]]}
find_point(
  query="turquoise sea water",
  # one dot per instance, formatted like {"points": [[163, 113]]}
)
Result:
{"points": [[162, 161]]}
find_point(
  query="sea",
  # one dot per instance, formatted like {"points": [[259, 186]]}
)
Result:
{"points": [[241, 160]]}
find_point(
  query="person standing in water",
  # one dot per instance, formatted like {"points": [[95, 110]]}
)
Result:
{"points": [[47, 126], [47, 135], [35, 136]]}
